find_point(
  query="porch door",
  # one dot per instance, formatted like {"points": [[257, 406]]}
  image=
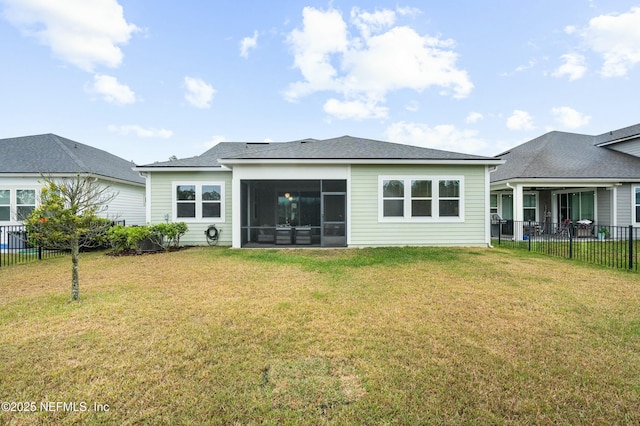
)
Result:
{"points": [[334, 219]]}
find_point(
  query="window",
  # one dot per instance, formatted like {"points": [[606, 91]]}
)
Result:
{"points": [[25, 203], [199, 201], [493, 206], [5, 205], [420, 199], [421, 196], [393, 198], [449, 198], [636, 203], [530, 206]]}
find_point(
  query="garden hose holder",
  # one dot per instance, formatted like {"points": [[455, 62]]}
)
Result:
{"points": [[212, 233]]}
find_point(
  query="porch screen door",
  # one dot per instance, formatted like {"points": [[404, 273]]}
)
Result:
{"points": [[334, 220]]}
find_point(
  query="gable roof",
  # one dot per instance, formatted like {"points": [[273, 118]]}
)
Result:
{"points": [[341, 149], [561, 155], [52, 154], [619, 135]]}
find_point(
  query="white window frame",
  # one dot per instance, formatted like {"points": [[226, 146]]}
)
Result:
{"points": [[635, 218], [435, 199], [535, 208], [198, 201], [13, 201]]}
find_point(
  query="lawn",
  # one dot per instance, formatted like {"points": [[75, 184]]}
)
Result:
{"points": [[373, 336]]}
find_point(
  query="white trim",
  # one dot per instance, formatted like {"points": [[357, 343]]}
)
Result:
{"points": [[634, 219], [147, 189], [198, 201], [349, 192], [70, 175], [181, 169], [435, 198], [337, 161]]}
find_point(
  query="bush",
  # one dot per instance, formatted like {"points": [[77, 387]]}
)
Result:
{"points": [[124, 239], [168, 234]]}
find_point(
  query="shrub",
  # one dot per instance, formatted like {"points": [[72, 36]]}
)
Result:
{"points": [[168, 234], [128, 239]]}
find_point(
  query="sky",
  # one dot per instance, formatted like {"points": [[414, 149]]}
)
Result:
{"points": [[147, 80]]}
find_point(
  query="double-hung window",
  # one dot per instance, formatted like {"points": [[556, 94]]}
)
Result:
{"points": [[198, 201], [5, 205], [421, 199], [25, 203]]}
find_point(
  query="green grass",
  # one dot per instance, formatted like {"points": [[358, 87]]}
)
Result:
{"points": [[372, 336]]}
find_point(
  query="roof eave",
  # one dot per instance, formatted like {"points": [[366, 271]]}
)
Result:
{"points": [[181, 169], [488, 161]]}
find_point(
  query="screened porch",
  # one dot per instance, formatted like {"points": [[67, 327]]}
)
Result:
{"points": [[293, 213]]}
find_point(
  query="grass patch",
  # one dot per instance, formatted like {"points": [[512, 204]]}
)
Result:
{"points": [[371, 336]]}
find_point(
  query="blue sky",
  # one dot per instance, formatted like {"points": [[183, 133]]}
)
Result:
{"points": [[146, 80]]}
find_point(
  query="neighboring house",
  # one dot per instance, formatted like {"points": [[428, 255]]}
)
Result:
{"points": [[344, 191], [25, 160], [566, 176]]}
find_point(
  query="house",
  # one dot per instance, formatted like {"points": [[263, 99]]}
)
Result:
{"points": [[24, 160], [339, 192], [567, 176]]}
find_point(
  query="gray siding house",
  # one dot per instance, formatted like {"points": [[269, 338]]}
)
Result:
{"points": [[567, 176], [337, 192], [24, 160]]}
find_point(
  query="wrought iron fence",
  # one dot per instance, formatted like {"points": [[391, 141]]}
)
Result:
{"points": [[16, 247], [612, 246]]}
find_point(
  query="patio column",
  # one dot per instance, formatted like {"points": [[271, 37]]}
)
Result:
{"points": [[518, 211]]}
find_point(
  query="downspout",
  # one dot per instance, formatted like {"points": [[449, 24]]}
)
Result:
{"points": [[489, 170]]}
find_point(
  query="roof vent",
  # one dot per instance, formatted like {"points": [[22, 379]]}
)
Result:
{"points": [[173, 158]]}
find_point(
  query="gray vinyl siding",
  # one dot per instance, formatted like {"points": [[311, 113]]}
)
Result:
{"points": [[625, 216], [161, 204], [629, 147], [128, 204], [604, 207], [367, 230]]}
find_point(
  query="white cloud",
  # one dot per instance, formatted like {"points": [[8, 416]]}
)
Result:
{"points": [[520, 120], [574, 67], [380, 59], [356, 110], [615, 37], [247, 44], [199, 94], [569, 118], [474, 117], [111, 90], [445, 137], [140, 131], [83, 33]]}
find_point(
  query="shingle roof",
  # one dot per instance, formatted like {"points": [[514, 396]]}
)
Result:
{"points": [[49, 153], [342, 148], [616, 135], [565, 156]]}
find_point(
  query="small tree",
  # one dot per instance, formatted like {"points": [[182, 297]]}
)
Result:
{"points": [[67, 218]]}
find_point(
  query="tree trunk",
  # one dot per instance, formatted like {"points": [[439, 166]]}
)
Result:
{"points": [[75, 284]]}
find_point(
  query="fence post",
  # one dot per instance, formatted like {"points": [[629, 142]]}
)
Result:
{"points": [[529, 236], [630, 246], [571, 240]]}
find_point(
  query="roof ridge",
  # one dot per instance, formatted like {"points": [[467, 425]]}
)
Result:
{"points": [[69, 152]]}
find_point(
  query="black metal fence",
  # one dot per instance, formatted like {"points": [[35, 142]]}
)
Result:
{"points": [[612, 246], [15, 247]]}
